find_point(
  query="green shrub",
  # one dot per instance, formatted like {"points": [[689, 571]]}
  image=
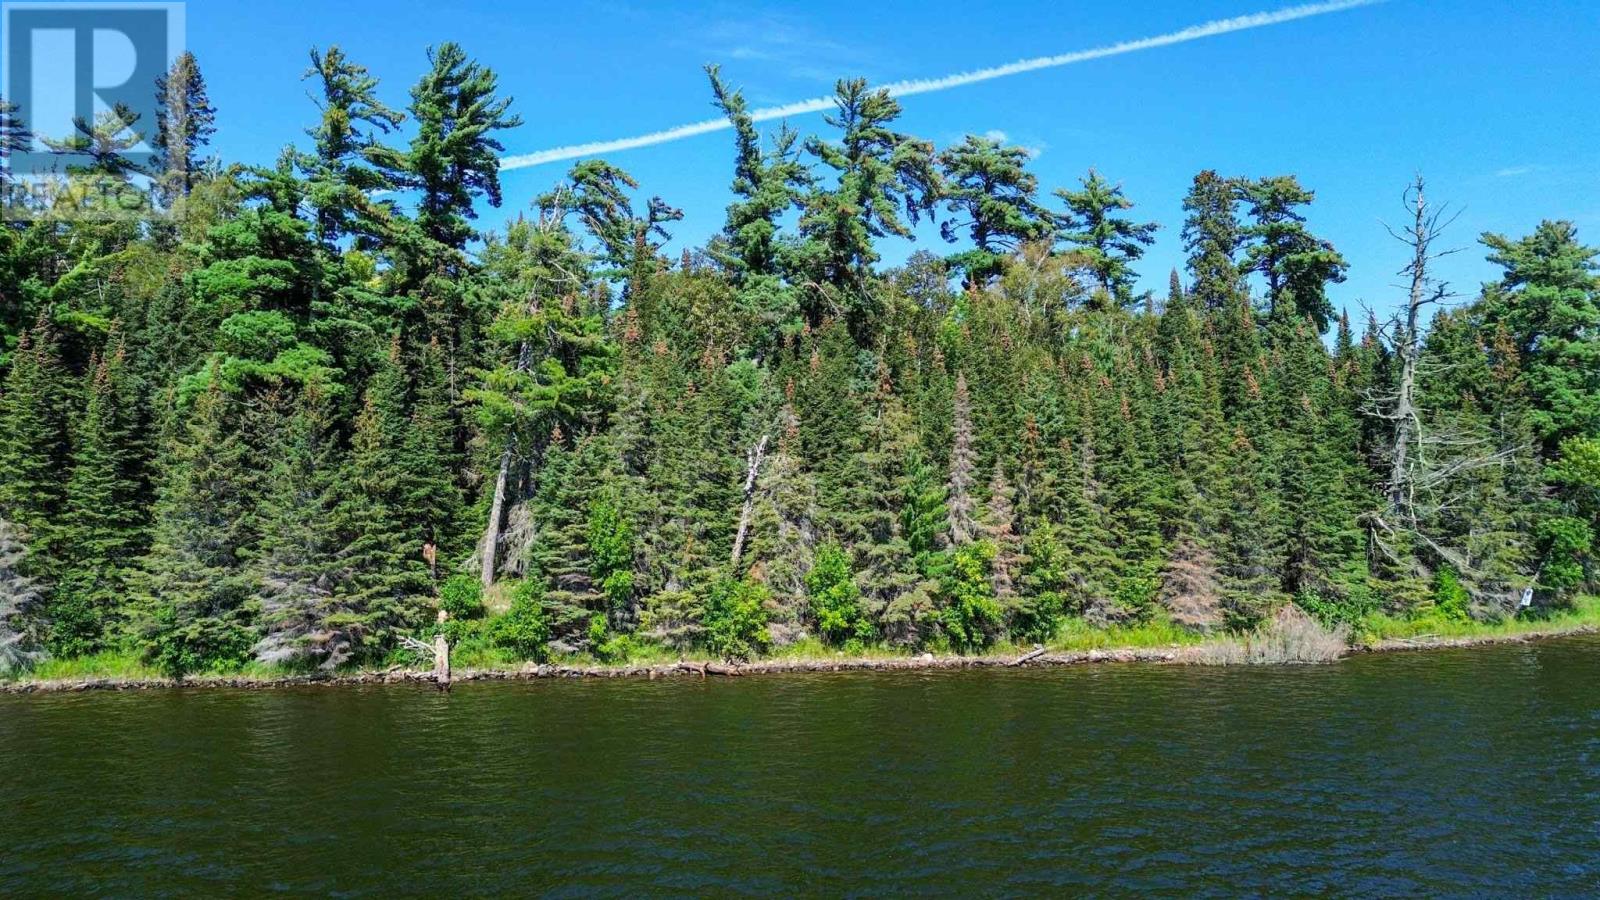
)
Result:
{"points": [[736, 619], [1565, 541], [1450, 598], [610, 541], [1333, 611], [971, 615], [75, 623], [835, 599], [523, 629], [1136, 593], [462, 596]]}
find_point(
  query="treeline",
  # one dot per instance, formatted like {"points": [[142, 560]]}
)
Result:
{"points": [[314, 410]]}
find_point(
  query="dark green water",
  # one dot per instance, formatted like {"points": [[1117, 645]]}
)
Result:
{"points": [[1462, 772]]}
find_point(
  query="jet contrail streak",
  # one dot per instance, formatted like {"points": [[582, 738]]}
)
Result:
{"points": [[928, 85]]}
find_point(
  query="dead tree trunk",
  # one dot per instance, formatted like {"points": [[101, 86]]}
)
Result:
{"points": [[753, 460], [497, 511], [1407, 339], [441, 661]]}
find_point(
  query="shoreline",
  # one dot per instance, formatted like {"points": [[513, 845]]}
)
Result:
{"points": [[1201, 654]]}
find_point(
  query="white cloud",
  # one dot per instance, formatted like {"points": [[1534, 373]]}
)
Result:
{"points": [[930, 85]]}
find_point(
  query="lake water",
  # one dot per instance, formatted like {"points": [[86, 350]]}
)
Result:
{"points": [[1461, 772]]}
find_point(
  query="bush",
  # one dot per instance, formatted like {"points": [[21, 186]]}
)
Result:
{"points": [[462, 596], [75, 625], [1450, 598], [835, 599], [971, 615], [1348, 611], [736, 619], [1565, 542], [523, 629], [1292, 636], [1136, 592]]}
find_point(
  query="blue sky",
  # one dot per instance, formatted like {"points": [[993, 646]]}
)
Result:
{"points": [[1494, 102]]}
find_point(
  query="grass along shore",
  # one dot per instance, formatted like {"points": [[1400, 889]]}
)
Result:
{"points": [[1291, 639]]}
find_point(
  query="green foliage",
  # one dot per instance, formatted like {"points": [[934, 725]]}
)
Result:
{"points": [[1566, 543], [970, 615], [1296, 264], [523, 629], [265, 428], [736, 619], [835, 599], [1108, 243], [461, 596], [1450, 598], [611, 554]]}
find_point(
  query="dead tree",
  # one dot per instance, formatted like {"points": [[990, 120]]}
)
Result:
{"points": [[1426, 461], [1406, 337], [753, 459]]}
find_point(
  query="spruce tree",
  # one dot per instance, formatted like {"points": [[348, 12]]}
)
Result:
{"points": [[194, 586], [185, 122], [1212, 236], [961, 506], [20, 602], [298, 569], [102, 521], [385, 583], [34, 445]]}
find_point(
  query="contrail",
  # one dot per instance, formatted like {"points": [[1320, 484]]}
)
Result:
{"points": [[928, 85]]}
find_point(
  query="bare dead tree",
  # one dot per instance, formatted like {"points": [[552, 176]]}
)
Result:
{"points": [[1406, 336], [753, 459], [1428, 460]]}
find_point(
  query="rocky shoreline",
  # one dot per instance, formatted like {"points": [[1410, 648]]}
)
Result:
{"points": [[1195, 654]]}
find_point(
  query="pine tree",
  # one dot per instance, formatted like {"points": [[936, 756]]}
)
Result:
{"points": [[992, 195], [880, 171], [342, 174], [1296, 264], [1109, 243], [769, 184], [454, 157], [1549, 301]]}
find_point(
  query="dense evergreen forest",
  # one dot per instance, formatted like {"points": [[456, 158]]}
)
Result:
{"points": [[316, 408]]}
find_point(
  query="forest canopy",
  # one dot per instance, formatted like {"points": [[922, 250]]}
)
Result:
{"points": [[319, 406]]}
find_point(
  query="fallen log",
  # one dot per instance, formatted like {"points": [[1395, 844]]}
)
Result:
{"points": [[1033, 654]]}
